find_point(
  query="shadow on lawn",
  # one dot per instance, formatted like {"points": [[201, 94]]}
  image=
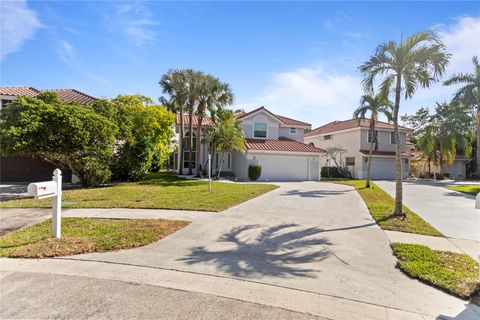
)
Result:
{"points": [[314, 193], [168, 180], [275, 251]]}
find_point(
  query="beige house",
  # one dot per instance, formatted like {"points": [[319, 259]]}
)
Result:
{"points": [[355, 138]]}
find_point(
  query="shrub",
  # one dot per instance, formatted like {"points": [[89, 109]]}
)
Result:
{"points": [[331, 172], [254, 171]]}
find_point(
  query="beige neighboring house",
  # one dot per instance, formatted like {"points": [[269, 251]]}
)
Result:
{"points": [[273, 141], [354, 137]]}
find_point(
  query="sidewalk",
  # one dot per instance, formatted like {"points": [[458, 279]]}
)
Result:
{"points": [[469, 247]]}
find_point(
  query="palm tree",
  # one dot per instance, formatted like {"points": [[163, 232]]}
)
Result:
{"points": [[417, 61], [375, 105], [174, 83], [192, 88], [469, 94], [229, 138], [213, 95]]}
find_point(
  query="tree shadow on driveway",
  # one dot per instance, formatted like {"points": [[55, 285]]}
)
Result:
{"points": [[314, 193], [276, 251]]}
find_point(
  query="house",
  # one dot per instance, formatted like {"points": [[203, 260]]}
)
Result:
{"points": [[457, 169], [355, 138], [26, 169], [272, 141]]}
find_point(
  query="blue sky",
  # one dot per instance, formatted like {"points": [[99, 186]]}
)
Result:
{"points": [[298, 59]]}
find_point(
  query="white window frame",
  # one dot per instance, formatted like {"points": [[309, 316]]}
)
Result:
{"points": [[328, 135], [393, 138], [369, 136], [346, 161], [266, 129], [294, 130]]}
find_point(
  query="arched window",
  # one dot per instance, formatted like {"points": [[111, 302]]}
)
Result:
{"points": [[186, 150], [312, 144]]}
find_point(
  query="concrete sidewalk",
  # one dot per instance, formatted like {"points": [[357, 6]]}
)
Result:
{"points": [[469, 247]]}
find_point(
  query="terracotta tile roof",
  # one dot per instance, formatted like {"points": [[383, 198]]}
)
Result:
{"points": [[19, 91], [282, 144], [72, 95], [385, 153], [206, 121], [285, 120], [64, 94], [349, 124]]}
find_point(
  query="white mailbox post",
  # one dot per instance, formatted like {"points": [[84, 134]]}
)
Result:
{"points": [[50, 189], [209, 172]]}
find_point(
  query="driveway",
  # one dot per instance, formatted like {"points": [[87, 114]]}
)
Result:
{"points": [[452, 213], [310, 247]]}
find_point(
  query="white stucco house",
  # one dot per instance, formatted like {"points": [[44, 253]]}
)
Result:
{"points": [[275, 142], [355, 138]]}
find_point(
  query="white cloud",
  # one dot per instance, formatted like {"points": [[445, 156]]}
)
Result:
{"points": [[18, 23], [135, 22], [316, 95], [66, 51]]}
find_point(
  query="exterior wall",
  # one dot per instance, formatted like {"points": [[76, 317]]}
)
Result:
{"points": [[285, 132], [383, 137], [272, 125], [457, 170], [239, 165]]}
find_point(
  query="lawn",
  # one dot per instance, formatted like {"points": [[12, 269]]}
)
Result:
{"points": [[82, 235], [159, 191], [381, 207], [454, 273], [468, 189]]}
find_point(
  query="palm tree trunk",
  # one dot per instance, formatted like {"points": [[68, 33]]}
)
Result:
{"points": [[441, 156], [190, 141], [221, 164], [373, 141], [198, 145], [398, 158], [180, 142], [477, 169]]}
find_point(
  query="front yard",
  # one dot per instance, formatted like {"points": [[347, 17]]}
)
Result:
{"points": [[83, 235], [468, 189], [381, 207], [158, 191]]}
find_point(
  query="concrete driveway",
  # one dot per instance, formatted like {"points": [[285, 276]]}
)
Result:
{"points": [[308, 247], [452, 213]]}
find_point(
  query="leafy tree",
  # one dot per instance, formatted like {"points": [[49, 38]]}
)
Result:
{"points": [[229, 138], [417, 122], [469, 94], [65, 134], [416, 61], [376, 105]]}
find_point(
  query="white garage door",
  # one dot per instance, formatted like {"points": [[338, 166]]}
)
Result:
{"points": [[287, 167], [383, 169]]}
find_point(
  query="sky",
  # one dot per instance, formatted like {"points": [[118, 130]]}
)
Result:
{"points": [[298, 59]]}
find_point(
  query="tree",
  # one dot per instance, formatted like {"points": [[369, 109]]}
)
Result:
{"points": [[174, 83], [375, 105], [469, 94], [419, 60], [65, 134], [229, 137], [192, 89], [212, 95], [335, 153]]}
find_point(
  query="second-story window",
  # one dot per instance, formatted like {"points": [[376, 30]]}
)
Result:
{"points": [[327, 137], [369, 138], [293, 130], [260, 130], [392, 138]]}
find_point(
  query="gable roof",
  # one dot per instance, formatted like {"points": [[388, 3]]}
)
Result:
{"points": [[68, 95], [349, 124], [284, 120], [282, 144], [206, 121]]}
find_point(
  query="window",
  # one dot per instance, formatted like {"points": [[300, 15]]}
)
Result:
{"points": [[293, 130], [186, 150], [369, 138], [228, 162], [260, 130], [327, 137], [350, 161], [392, 138], [312, 144], [405, 161]]}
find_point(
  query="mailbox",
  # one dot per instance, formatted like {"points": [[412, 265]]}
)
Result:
{"points": [[42, 190]]}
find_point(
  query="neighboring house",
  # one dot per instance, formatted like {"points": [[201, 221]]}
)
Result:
{"points": [[354, 137], [26, 169], [456, 170], [272, 141]]}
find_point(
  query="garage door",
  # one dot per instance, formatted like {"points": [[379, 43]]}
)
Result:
{"points": [[287, 167], [383, 169]]}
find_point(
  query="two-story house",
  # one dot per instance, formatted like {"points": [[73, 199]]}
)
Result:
{"points": [[275, 142], [355, 138]]}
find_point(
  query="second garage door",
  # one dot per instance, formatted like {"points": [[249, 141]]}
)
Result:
{"points": [[383, 169], [288, 167]]}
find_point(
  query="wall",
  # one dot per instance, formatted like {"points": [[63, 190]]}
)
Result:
{"points": [[285, 132], [383, 137], [272, 125]]}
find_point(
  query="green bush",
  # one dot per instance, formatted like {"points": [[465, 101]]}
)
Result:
{"points": [[331, 172], [254, 171]]}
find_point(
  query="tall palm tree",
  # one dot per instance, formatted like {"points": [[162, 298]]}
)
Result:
{"points": [[174, 84], [469, 94], [229, 137], [213, 94], [375, 104], [419, 60], [192, 87]]}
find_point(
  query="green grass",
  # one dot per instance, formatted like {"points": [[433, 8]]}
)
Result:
{"points": [[159, 190], [454, 273], [381, 207], [82, 235], [468, 189]]}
